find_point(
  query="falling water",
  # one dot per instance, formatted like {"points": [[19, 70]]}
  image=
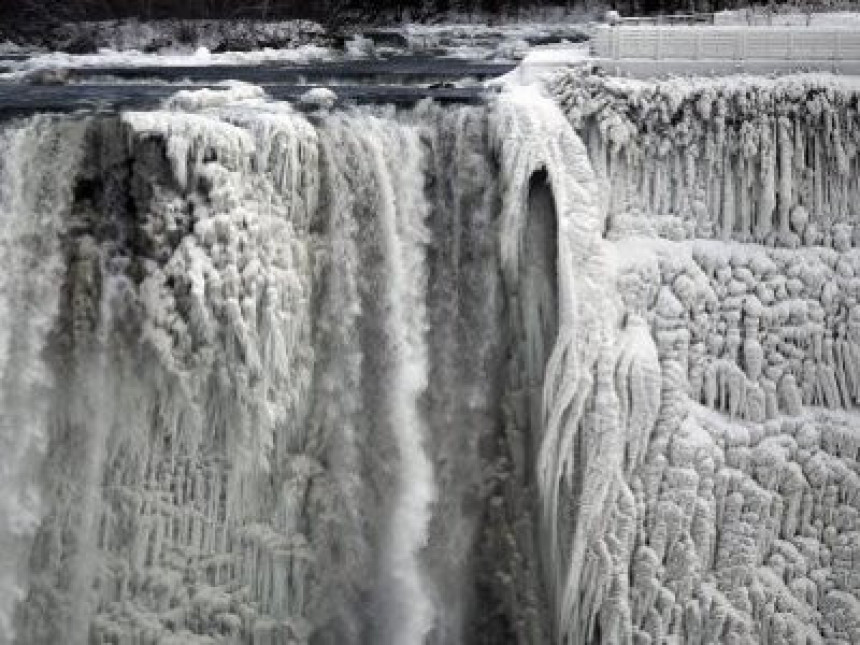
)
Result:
{"points": [[406, 604], [37, 170]]}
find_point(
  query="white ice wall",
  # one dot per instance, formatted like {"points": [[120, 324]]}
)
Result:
{"points": [[731, 215]]}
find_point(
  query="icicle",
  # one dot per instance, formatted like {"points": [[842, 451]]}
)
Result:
{"points": [[785, 194]]}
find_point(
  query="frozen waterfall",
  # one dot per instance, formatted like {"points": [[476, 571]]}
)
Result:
{"points": [[572, 367], [252, 381]]}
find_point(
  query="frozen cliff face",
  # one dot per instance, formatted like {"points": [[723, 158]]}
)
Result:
{"points": [[538, 371], [770, 161], [730, 214]]}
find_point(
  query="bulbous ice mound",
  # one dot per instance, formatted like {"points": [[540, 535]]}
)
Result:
{"points": [[230, 92], [729, 213]]}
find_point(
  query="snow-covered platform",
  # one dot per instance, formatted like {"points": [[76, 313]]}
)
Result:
{"points": [[647, 50]]}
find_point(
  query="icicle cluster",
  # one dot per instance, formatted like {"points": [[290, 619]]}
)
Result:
{"points": [[739, 519], [235, 302], [208, 333], [755, 160]]}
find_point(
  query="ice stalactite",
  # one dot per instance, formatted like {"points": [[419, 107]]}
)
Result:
{"points": [[637, 379], [38, 164]]}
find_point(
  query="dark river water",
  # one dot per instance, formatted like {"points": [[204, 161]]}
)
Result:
{"points": [[400, 80]]}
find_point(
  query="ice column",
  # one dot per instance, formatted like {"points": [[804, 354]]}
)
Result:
{"points": [[580, 449]]}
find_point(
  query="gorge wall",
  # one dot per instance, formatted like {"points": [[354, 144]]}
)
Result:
{"points": [[731, 204], [578, 369]]}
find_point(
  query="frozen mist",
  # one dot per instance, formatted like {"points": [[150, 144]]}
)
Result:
{"points": [[572, 367]]}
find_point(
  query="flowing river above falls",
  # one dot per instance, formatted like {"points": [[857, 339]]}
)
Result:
{"points": [[576, 363]]}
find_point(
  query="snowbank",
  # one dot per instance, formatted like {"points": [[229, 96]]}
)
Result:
{"points": [[199, 58]]}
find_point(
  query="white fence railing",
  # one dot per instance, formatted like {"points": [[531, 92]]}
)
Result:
{"points": [[801, 45]]}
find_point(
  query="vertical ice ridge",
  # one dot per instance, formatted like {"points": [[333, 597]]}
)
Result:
{"points": [[583, 439]]}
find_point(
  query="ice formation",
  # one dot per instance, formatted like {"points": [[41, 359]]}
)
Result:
{"points": [[730, 205], [241, 431], [577, 368]]}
